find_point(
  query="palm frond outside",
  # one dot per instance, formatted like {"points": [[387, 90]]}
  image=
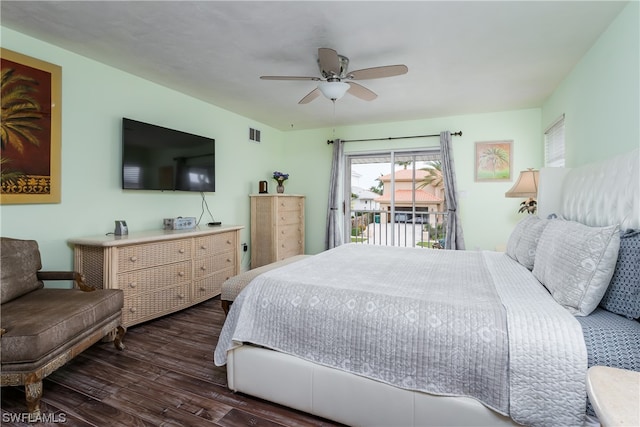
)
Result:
{"points": [[434, 175]]}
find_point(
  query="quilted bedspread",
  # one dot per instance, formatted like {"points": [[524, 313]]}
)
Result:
{"points": [[457, 323]]}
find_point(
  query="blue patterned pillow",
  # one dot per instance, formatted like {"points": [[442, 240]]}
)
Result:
{"points": [[623, 295]]}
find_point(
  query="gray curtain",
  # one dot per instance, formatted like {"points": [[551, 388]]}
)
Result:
{"points": [[334, 235], [454, 238]]}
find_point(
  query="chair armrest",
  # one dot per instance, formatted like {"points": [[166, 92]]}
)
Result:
{"points": [[66, 275]]}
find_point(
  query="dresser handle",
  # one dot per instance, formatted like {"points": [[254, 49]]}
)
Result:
{"points": [[228, 242], [203, 268], [228, 259], [132, 309], [181, 273], [180, 296], [133, 258], [203, 247], [181, 250], [202, 288], [132, 285]]}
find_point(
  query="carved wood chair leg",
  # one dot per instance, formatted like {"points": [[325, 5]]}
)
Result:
{"points": [[118, 342], [33, 392]]}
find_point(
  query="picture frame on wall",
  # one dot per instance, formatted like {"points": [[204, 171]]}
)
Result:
{"points": [[31, 130], [493, 161]]}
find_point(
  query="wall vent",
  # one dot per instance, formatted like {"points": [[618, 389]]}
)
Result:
{"points": [[254, 135]]}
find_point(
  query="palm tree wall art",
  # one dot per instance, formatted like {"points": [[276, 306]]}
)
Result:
{"points": [[29, 130], [493, 161]]}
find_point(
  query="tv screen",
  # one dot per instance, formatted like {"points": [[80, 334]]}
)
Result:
{"points": [[158, 158]]}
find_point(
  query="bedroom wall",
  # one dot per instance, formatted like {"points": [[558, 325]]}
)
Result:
{"points": [[95, 97], [487, 216], [601, 96]]}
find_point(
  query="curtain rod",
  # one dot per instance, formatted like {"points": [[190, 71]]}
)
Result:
{"points": [[459, 133]]}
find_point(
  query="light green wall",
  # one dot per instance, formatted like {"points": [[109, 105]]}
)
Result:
{"points": [[600, 99], [95, 97], [601, 96], [487, 216]]}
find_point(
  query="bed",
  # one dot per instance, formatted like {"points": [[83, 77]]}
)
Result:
{"points": [[388, 336]]}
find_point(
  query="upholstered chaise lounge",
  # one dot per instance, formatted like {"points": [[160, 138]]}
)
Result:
{"points": [[41, 329]]}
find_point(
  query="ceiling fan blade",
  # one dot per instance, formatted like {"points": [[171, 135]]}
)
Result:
{"points": [[361, 92], [289, 78], [329, 61], [378, 72], [310, 96]]}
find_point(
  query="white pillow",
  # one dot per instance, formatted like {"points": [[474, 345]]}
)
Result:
{"points": [[523, 241], [575, 263]]}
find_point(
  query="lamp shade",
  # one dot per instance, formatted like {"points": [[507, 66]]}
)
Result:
{"points": [[333, 90], [526, 185]]}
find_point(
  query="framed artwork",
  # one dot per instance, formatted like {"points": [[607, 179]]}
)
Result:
{"points": [[493, 161], [30, 130]]}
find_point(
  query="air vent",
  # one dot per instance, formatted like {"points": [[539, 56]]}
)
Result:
{"points": [[254, 135]]}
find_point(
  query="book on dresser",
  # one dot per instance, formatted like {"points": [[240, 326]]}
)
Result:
{"points": [[160, 271], [277, 227]]}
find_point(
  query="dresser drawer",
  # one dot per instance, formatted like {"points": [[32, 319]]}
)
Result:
{"points": [[205, 266], [290, 204], [216, 243], [135, 257], [289, 218], [290, 233], [153, 304], [152, 278], [212, 285], [289, 246]]}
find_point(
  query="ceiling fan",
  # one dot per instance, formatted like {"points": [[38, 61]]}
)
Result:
{"points": [[336, 80]]}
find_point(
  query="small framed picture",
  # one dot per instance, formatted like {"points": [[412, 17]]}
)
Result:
{"points": [[493, 161]]}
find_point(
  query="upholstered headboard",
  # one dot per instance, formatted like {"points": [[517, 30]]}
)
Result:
{"points": [[597, 194]]}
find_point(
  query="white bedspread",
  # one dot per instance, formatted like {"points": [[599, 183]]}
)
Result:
{"points": [[445, 322]]}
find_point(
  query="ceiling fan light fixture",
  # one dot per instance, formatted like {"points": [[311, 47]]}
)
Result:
{"points": [[333, 90]]}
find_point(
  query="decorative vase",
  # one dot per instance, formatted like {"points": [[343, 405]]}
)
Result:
{"points": [[280, 188]]}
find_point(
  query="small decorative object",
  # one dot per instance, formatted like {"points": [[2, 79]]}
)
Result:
{"points": [[280, 178], [263, 189]]}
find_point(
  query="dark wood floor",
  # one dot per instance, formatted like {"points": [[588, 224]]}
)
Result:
{"points": [[165, 377]]}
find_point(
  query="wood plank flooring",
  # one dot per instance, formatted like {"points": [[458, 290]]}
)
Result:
{"points": [[165, 377]]}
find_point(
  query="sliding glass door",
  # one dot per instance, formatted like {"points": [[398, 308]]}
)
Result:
{"points": [[395, 198]]}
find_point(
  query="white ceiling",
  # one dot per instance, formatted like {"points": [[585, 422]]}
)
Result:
{"points": [[463, 57]]}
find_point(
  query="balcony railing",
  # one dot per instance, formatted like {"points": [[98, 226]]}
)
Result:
{"points": [[419, 229]]}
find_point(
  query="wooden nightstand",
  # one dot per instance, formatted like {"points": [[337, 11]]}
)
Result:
{"points": [[615, 395]]}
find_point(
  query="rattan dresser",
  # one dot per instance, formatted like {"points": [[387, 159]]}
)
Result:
{"points": [[160, 271], [277, 227]]}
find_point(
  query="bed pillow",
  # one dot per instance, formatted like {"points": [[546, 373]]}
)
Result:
{"points": [[623, 295], [576, 262], [523, 241]]}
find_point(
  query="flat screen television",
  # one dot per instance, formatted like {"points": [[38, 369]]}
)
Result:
{"points": [[158, 158]]}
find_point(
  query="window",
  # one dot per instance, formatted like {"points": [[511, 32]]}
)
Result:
{"points": [[397, 198], [554, 144]]}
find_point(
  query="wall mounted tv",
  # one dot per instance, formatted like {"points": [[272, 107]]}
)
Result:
{"points": [[158, 158]]}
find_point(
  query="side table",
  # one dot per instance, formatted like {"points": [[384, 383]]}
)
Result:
{"points": [[615, 395]]}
